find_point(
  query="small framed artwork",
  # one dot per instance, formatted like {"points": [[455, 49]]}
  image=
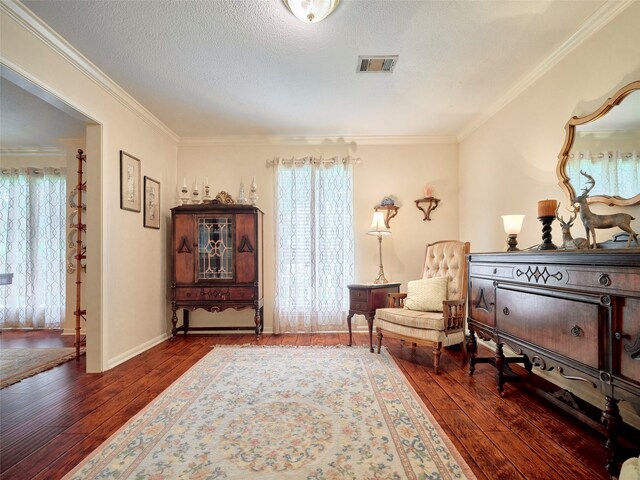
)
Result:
{"points": [[151, 203], [129, 182]]}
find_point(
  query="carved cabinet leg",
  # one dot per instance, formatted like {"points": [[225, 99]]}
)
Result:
{"points": [[257, 320], [174, 320], [472, 349], [500, 363], [612, 421]]}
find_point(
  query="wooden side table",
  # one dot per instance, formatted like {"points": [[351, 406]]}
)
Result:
{"points": [[364, 299]]}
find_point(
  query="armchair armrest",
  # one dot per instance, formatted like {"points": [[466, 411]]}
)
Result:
{"points": [[396, 300], [453, 313]]}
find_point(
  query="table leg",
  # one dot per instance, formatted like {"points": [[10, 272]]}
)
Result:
{"points": [[369, 318], [351, 314]]}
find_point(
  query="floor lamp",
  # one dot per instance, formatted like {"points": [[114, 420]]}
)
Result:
{"points": [[380, 229]]}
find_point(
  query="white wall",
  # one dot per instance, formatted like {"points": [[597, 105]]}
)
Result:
{"points": [[398, 170], [508, 164], [127, 263]]}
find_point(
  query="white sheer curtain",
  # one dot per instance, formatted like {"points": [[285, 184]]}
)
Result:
{"points": [[616, 172], [32, 247], [314, 243]]}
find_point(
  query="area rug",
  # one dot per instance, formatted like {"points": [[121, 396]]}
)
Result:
{"points": [[19, 363], [281, 413]]}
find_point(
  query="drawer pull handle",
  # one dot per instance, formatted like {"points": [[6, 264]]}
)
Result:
{"points": [[506, 311], [495, 270], [576, 331], [604, 280]]}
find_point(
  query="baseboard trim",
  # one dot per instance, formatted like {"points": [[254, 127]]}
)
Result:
{"points": [[123, 357], [72, 331]]}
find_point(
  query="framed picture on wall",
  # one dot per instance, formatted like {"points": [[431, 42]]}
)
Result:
{"points": [[151, 203], [129, 182]]}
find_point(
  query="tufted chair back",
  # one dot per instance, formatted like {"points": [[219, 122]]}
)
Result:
{"points": [[447, 258]]}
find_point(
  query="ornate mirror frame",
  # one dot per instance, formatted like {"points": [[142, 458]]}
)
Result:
{"points": [[563, 157]]}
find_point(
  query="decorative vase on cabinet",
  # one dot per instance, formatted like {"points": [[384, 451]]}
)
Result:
{"points": [[217, 262]]}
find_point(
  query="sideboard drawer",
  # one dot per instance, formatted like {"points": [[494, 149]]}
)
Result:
{"points": [[605, 280], [568, 327], [212, 293], [358, 295]]}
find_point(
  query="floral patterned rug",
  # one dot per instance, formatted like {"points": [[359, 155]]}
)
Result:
{"points": [[282, 413], [19, 363]]}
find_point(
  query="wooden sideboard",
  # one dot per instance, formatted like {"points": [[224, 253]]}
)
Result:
{"points": [[575, 312], [217, 262]]}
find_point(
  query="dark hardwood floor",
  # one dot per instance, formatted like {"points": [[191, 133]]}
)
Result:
{"points": [[51, 421]]}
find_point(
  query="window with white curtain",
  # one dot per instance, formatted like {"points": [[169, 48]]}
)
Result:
{"points": [[314, 243], [616, 172], [32, 247]]}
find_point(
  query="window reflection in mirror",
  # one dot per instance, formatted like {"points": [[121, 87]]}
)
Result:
{"points": [[606, 145]]}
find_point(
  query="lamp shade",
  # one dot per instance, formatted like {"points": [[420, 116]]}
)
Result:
{"points": [[311, 11], [378, 226], [512, 224]]}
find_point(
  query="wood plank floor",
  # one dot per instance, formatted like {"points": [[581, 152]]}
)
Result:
{"points": [[50, 422]]}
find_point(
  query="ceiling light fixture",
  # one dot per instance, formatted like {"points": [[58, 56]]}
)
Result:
{"points": [[311, 11]]}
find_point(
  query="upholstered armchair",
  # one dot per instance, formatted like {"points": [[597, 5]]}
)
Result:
{"points": [[409, 322]]}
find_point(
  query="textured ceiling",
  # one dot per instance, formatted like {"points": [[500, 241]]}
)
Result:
{"points": [[248, 67]]}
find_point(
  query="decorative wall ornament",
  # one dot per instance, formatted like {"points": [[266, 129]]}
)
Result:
{"points": [[389, 209], [430, 203]]}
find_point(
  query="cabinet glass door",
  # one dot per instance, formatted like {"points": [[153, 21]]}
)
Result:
{"points": [[215, 248]]}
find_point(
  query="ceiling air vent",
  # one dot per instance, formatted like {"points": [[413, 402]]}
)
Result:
{"points": [[376, 63]]}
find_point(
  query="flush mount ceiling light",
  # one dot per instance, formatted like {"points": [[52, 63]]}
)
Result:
{"points": [[311, 11]]}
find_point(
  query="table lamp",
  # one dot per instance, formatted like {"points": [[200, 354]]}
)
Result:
{"points": [[512, 227]]}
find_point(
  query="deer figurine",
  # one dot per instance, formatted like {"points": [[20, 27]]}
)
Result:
{"points": [[592, 220], [568, 242]]}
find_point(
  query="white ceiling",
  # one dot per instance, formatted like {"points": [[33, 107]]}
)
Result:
{"points": [[249, 67]]}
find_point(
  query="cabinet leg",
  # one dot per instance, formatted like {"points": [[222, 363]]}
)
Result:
{"points": [[174, 321], [185, 320], [349, 327], [257, 319], [261, 319], [500, 363], [611, 420], [472, 349]]}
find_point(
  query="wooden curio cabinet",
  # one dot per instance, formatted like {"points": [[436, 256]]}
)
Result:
{"points": [[217, 262]]}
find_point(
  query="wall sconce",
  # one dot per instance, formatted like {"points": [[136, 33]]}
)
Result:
{"points": [[311, 11], [379, 228], [430, 204], [512, 227]]}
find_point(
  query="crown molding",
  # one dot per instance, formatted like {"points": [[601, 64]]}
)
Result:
{"points": [[32, 152], [25, 17], [607, 12], [334, 141]]}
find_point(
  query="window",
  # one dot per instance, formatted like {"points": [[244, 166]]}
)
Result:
{"points": [[314, 244], [32, 247]]}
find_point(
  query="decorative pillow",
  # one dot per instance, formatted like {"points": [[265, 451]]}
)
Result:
{"points": [[427, 294]]}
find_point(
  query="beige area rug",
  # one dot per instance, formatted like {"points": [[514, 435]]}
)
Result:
{"points": [[282, 413], [19, 363]]}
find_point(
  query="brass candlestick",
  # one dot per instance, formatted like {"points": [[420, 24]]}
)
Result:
{"points": [[546, 244]]}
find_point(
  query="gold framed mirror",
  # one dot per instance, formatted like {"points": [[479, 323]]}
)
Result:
{"points": [[606, 145]]}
